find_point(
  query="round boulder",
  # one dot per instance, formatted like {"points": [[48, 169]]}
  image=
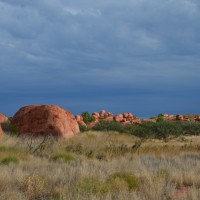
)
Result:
{"points": [[44, 120]]}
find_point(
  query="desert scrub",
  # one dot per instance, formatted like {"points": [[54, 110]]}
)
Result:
{"points": [[34, 186], [123, 180], [8, 160], [90, 184], [109, 126], [12, 151], [67, 157]]}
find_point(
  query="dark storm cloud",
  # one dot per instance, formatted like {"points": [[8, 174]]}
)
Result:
{"points": [[108, 52]]}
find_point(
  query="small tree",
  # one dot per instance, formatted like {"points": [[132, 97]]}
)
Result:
{"points": [[160, 118], [87, 118]]}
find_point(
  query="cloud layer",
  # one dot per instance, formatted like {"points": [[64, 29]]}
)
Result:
{"points": [[136, 55]]}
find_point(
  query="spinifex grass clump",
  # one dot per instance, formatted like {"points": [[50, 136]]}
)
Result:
{"points": [[8, 160], [123, 180], [90, 184]]}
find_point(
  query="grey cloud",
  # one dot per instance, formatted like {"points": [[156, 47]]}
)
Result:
{"points": [[106, 44]]}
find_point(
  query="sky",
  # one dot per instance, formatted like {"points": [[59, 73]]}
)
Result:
{"points": [[138, 56]]}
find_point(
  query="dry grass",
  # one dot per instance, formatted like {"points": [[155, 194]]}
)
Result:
{"points": [[104, 165]]}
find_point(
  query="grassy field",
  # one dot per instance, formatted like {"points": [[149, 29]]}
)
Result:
{"points": [[99, 165]]}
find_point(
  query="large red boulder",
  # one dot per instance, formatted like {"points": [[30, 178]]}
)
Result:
{"points": [[3, 118], [46, 119]]}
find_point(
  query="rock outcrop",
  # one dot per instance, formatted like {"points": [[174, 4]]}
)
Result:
{"points": [[45, 119], [3, 118], [128, 118]]}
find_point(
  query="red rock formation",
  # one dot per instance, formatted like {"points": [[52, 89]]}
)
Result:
{"points": [[118, 117], [186, 118], [197, 118], [110, 114], [180, 117], [126, 115], [82, 123], [136, 121], [92, 124], [96, 115], [124, 120], [78, 118], [109, 119], [102, 112], [3, 118], [46, 119], [171, 117], [126, 123]]}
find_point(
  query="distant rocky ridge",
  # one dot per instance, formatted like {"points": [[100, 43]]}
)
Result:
{"points": [[45, 119], [129, 118]]}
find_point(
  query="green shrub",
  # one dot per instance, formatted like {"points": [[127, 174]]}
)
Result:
{"points": [[90, 184], [163, 129], [125, 179], [6, 126], [83, 128], [63, 157], [8, 160], [109, 126], [87, 118], [160, 130], [14, 129], [160, 118]]}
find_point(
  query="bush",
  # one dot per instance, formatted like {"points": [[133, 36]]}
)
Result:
{"points": [[159, 130], [12, 128], [87, 118], [90, 184], [109, 126], [83, 128], [160, 118], [34, 186], [126, 179], [6, 126], [63, 157], [8, 160], [163, 129]]}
